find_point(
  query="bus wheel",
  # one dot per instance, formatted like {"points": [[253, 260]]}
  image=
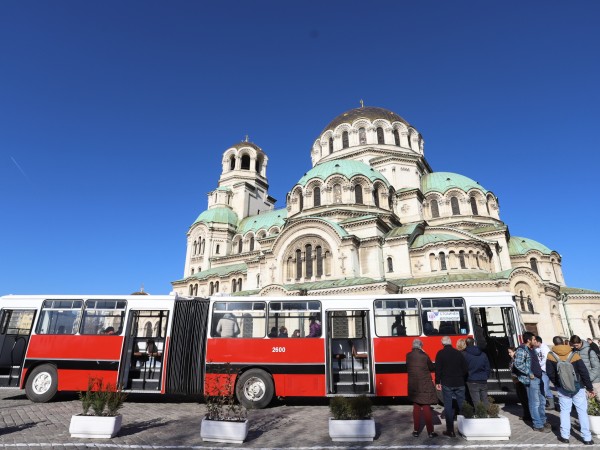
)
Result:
{"points": [[254, 389], [42, 384]]}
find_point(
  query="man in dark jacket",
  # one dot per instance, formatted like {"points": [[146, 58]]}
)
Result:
{"points": [[479, 372], [450, 374], [566, 399]]}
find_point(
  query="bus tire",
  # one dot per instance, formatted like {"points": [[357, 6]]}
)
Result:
{"points": [[254, 389], [42, 384]]}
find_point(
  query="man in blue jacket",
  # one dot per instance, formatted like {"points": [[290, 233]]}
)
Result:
{"points": [[479, 372]]}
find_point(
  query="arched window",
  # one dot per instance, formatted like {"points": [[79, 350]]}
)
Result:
{"points": [[211, 288], [239, 284], [530, 305], [474, 206], [231, 162], [252, 244], [345, 142], [216, 286], [298, 264], [308, 258], [330, 146], [233, 285], [319, 252], [202, 249], [522, 301], [337, 193], [591, 324], [191, 290], [435, 209], [195, 248], [362, 136], [257, 165], [317, 196], [240, 243], [192, 271], [258, 280], [442, 261], [358, 194], [300, 201], [148, 329], [217, 249], [454, 205], [246, 162], [380, 139], [396, 137], [390, 264], [376, 197], [461, 259], [534, 266], [432, 263]]}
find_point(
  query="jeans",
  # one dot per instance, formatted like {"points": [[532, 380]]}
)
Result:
{"points": [[449, 392], [537, 403], [546, 381], [566, 402], [478, 393]]}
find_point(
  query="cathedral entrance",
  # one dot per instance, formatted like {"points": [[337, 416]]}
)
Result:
{"points": [[349, 352]]}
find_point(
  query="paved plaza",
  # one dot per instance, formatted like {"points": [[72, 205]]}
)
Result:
{"points": [[158, 422]]}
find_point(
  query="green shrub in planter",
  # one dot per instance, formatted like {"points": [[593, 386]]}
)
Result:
{"points": [[593, 407], [351, 408], [480, 411], [102, 399]]}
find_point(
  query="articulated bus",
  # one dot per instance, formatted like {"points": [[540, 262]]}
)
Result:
{"points": [[274, 346]]}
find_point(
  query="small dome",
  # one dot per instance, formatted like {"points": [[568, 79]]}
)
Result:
{"points": [[368, 112], [426, 239], [521, 246], [347, 168], [443, 181], [218, 215]]}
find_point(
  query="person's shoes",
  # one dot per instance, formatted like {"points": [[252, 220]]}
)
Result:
{"points": [[542, 429], [563, 440], [449, 433], [432, 434], [547, 425], [590, 442], [415, 434]]}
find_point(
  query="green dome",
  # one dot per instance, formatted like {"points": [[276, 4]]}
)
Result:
{"points": [[263, 221], [520, 246], [218, 215], [443, 181], [425, 239], [370, 113], [346, 168]]}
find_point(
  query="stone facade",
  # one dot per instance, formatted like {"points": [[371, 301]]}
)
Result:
{"points": [[372, 217]]}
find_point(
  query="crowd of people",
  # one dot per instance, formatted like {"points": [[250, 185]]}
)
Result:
{"points": [[570, 366]]}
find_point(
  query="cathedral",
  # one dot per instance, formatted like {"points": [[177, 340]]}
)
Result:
{"points": [[372, 217]]}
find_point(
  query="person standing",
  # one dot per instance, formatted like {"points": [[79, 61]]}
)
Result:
{"points": [[590, 360], [519, 387], [227, 326], [420, 387], [593, 346], [450, 374], [566, 399], [529, 373], [479, 372], [542, 350]]}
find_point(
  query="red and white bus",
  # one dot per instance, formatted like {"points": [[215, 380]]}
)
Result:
{"points": [[276, 346]]}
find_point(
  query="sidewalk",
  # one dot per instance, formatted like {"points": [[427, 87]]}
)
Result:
{"points": [[158, 422]]}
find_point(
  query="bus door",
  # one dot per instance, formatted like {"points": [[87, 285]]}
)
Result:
{"points": [[349, 352], [143, 350], [15, 330], [495, 330]]}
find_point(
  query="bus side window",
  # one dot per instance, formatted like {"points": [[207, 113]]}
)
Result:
{"points": [[238, 319], [444, 316], [103, 317], [60, 317], [294, 319], [397, 318]]}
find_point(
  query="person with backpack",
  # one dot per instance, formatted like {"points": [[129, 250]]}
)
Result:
{"points": [[590, 359], [594, 346], [567, 371]]}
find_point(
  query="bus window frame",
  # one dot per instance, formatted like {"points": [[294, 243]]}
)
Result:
{"points": [[123, 311], [418, 315], [464, 309], [222, 312], [311, 313], [78, 321]]}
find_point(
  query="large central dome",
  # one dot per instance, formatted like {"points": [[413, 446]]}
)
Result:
{"points": [[367, 112]]}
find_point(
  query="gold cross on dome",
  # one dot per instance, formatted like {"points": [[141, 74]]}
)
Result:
{"points": [[362, 104]]}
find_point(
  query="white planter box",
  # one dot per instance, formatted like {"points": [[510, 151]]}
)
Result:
{"points": [[99, 427], [497, 429], [352, 430], [595, 425], [223, 431]]}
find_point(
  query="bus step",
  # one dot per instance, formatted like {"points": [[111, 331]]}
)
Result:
{"points": [[349, 377], [344, 388]]}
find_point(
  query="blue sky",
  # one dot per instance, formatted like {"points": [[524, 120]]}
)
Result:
{"points": [[114, 116]]}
